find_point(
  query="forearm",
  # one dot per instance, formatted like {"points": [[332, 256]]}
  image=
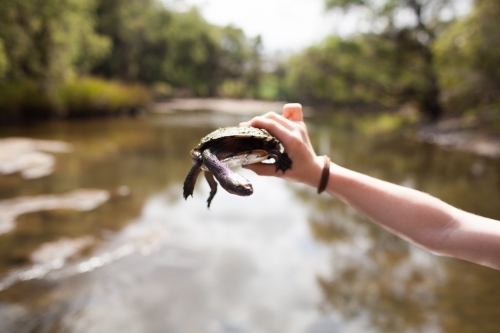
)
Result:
{"points": [[419, 217], [410, 214], [413, 215]]}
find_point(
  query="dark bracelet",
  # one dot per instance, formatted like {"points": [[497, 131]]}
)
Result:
{"points": [[325, 175]]}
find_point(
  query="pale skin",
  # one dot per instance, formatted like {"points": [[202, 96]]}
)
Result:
{"points": [[413, 215]]}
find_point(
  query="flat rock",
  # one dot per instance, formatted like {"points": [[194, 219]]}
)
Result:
{"points": [[29, 156], [80, 200]]}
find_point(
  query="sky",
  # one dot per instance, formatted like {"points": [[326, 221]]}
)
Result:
{"points": [[285, 25]]}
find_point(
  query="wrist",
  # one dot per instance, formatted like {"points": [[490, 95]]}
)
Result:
{"points": [[316, 171]]}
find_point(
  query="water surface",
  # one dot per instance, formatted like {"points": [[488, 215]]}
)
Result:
{"points": [[282, 260]]}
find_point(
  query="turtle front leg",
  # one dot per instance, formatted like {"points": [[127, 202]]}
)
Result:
{"points": [[282, 161], [213, 186], [191, 178]]}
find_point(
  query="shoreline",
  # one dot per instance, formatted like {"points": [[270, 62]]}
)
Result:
{"points": [[473, 136], [247, 107], [457, 134], [452, 134]]}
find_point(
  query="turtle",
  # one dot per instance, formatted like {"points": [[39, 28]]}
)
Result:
{"points": [[229, 147]]}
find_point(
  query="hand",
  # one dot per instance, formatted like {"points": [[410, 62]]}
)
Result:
{"points": [[291, 130]]}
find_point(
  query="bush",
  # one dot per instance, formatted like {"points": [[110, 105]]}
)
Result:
{"points": [[23, 100], [27, 101], [95, 97]]}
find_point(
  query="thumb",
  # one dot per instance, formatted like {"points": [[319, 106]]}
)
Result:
{"points": [[263, 169]]}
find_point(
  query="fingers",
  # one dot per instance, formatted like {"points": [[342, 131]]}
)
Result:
{"points": [[280, 119], [284, 133], [288, 124], [293, 111]]}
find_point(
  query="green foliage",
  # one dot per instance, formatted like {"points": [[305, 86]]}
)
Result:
{"points": [[410, 44], [21, 100], [25, 100], [233, 88], [426, 13], [47, 40], [234, 52], [153, 44], [92, 96], [4, 62], [162, 90], [254, 73], [468, 58], [138, 32], [193, 62], [368, 69], [49, 47], [46, 45], [344, 3], [383, 123], [269, 88]]}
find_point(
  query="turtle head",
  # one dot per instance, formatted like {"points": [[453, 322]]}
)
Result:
{"points": [[237, 184], [229, 180]]}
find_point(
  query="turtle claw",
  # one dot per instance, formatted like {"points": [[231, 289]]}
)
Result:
{"points": [[213, 187], [282, 161], [187, 193]]}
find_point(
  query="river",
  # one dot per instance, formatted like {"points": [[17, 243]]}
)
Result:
{"points": [[96, 237]]}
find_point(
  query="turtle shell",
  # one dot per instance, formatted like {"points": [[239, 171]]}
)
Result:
{"points": [[231, 147], [235, 132]]}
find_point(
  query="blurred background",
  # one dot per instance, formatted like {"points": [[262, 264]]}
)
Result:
{"points": [[102, 100]]}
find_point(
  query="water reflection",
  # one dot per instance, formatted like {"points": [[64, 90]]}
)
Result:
{"points": [[386, 283], [375, 277], [283, 259]]}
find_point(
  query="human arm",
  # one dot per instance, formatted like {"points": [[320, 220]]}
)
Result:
{"points": [[408, 213]]}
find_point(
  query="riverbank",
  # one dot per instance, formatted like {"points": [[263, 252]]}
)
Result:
{"points": [[478, 136], [29, 101], [247, 107]]}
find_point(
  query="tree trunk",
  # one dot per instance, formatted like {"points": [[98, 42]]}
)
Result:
{"points": [[429, 103]]}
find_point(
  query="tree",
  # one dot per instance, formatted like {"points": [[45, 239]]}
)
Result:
{"points": [[468, 54], [233, 52], [366, 69], [136, 29], [254, 73], [413, 38], [48, 40], [152, 44], [4, 64]]}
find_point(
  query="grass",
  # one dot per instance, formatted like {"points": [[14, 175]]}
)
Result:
{"points": [[383, 123]]}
